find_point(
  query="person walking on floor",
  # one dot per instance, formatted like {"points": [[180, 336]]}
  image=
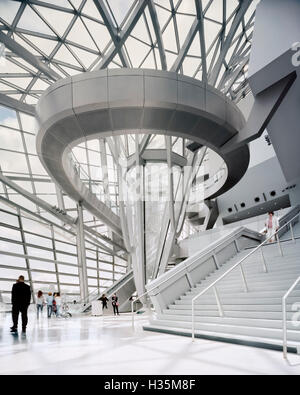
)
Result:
{"points": [[115, 304], [49, 304], [40, 301], [20, 299], [104, 301]]}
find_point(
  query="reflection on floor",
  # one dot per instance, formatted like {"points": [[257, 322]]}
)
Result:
{"points": [[108, 345]]}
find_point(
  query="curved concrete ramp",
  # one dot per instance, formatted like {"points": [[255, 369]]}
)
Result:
{"points": [[111, 102]]}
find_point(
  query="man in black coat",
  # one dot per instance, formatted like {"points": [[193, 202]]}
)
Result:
{"points": [[20, 299]]}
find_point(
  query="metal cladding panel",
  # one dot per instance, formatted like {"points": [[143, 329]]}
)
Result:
{"points": [[209, 132], [66, 131], [215, 107], [94, 121], [56, 103], [276, 28], [157, 118], [160, 92], [234, 117], [183, 122], [90, 93], [278, 22], [192, 95], [120, 72], [126, 90], [284, 133], [51, 150], [126, 118]]}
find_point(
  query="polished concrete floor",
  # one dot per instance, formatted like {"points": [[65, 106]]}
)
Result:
{"points": [[108, 345]]}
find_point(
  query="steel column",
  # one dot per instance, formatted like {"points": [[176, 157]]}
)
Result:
{"points": [[82, 268], [25, 253]]}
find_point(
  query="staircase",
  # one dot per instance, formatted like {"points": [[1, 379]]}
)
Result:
{"points": [[124, 287], [252, 318]]}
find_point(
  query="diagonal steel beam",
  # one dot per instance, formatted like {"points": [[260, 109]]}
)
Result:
{"points": [[158, 34], [124, 34], [16, 105], [244, 5], [28, 56], [186, 46], [103, 11], [200, 17], [231, 77]]}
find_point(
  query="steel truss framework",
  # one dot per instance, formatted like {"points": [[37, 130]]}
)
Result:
{"points": [[45, 41]]}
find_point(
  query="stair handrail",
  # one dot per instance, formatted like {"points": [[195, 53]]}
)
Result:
{"points": [[239, 264], [207, 250], [204, 252], [284, 317]]}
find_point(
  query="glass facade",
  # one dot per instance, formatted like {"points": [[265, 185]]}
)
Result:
{"points": [[42, 42]]}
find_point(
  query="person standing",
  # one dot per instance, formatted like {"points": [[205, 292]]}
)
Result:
{"points": [[272, 225], [104, 301], [58, 304], [20, 299], [115, 304], [49, 304], [40, 301]]}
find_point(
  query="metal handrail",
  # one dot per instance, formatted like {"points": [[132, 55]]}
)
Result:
{"points": [[284, 319], [207, 251], [202, 254], [239, 264]]}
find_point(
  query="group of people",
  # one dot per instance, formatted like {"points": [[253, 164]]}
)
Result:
{"points": [[114, 302], [53, 302], [21, 297]]}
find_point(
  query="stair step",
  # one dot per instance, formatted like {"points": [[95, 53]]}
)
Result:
{"points": [[238, 301], [257, 294], [262, 279], [275, 286], [251, 322], [226, 307], [272, 315], [251, 341], [249, 317], [293, 335]]}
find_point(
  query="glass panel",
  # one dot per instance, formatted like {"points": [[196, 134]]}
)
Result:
{"points": [[12, 261]]}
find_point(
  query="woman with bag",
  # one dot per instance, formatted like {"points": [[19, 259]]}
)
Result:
{"points": [[115, 304], [271, 226]]}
